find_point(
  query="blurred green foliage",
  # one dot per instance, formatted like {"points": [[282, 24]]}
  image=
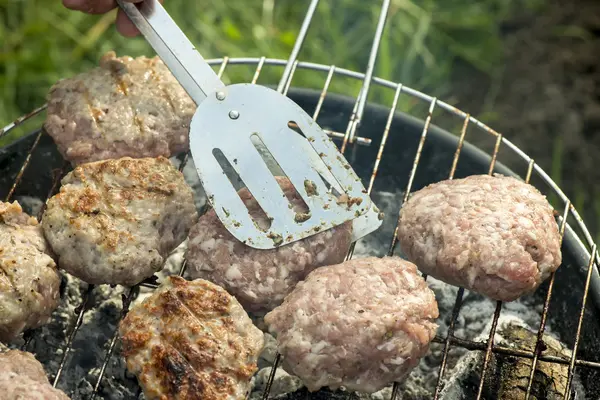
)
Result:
{"points": [[41, 41]]}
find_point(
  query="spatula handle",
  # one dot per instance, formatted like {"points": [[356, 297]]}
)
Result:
{"points": [[174, 48]]}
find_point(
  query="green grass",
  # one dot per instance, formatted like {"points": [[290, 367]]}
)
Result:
{"points": [[41, 42]]}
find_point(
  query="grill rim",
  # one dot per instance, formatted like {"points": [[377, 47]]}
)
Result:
{"points": [[449, 340]]}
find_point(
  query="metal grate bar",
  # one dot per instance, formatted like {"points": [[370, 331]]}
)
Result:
{"points": [[386, 132], [447, 341], [83, 307], [488, 350], [223, 66], [540, 336], [60, 173], [490, 341], [588, 279], [271, 377], [413, 171], [411, 178], [461, 141], [21, 119], [289, 66], [28, 336], [497, 349], [24, 166], [324, 92], [289, 82], [364, 92], [126, 300], [259, 68], [461, 291], [379, 156]]}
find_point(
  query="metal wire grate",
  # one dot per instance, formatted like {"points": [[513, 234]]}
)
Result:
{"points": [[348, 138]]}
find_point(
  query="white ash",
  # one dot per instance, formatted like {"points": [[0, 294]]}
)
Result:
{"points": [[100, 322], [31, 205], [282, 384]]}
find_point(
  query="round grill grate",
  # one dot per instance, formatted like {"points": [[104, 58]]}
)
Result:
{"points": [[420, 151]]}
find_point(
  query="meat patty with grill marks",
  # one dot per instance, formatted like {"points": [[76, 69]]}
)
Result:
{"points": [[191, 340], [260, 279], [116, 221], [126, 107], [29, 279], [22, 377], [494, 235], [362, 324]]}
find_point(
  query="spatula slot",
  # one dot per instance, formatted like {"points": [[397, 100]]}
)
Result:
{"points": [[258, 215], [318, 164], [329, 187], [296, 202]]}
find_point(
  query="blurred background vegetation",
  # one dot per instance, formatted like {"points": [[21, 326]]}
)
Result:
{"points": [[425, 42], [41, 41]]}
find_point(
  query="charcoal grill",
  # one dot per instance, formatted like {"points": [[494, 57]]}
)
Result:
{"points": [[391, 151]]}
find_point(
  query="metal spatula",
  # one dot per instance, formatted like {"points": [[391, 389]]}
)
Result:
{"points": [[239, 128]]}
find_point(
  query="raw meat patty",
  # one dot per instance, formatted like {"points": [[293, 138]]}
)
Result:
{"points": [[116, 221], [29, 280], [191, 340], [494, 235], [127, 107], [260, 279], [22, 377], [362, 324]]}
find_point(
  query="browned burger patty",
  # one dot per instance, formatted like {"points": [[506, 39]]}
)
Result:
{"points": [[362, 324], [22, 377], [116, 221], [260, 279], [494, 235], [191, 340], [127, 107], [29, 280]]}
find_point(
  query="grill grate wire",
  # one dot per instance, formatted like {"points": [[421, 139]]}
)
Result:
{"points": [[350, 137]]}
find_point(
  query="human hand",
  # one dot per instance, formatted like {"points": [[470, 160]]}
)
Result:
{"points": [[124, 24]]}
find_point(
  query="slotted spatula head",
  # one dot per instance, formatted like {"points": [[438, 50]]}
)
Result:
{"points": [[240, 128], [239, 124]]}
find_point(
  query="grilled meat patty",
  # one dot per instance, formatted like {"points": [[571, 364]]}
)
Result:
{"points": [[22, 377], [29, 279], [494, 235], [362, 324], [191, 340], [260, 279], [126, 107], [116, 221]]}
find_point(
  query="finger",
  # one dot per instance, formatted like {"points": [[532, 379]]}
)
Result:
{"points": [[125, 26], [90, 6]]}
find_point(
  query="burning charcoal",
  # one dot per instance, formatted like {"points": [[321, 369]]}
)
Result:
{"points": [[507, 376]]}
